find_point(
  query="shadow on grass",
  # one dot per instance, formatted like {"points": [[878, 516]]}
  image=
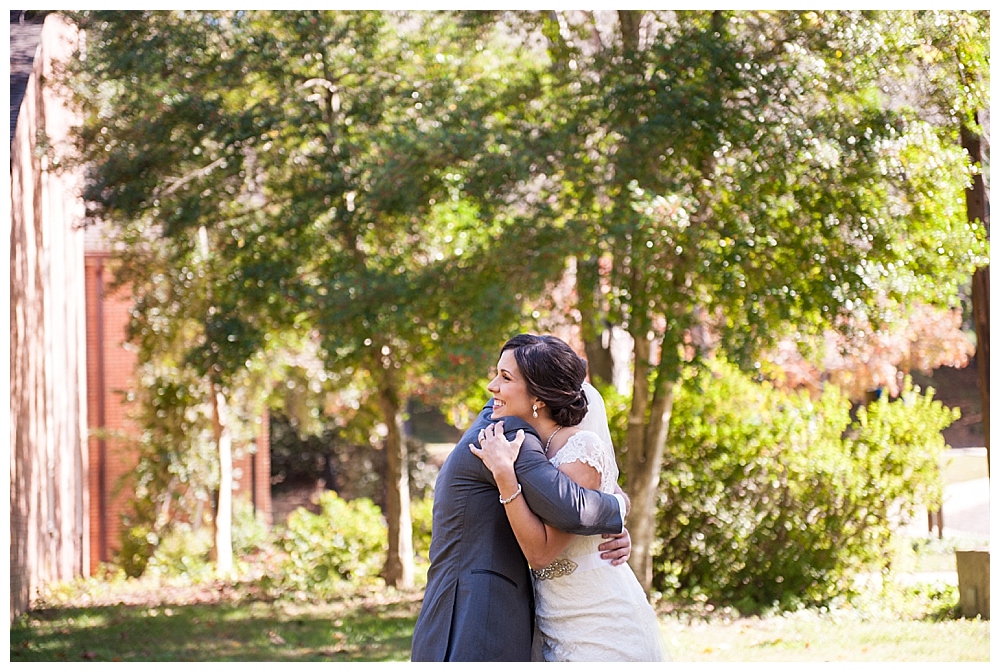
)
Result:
{"points": [[257, 631]]}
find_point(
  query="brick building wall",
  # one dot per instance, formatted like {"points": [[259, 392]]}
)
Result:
{"points": [[110, 366]]}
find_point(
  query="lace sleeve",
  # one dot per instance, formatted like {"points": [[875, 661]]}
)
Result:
{"points": [[586, 447]]}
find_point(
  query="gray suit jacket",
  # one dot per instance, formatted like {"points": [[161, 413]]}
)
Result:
{"points": [[479, 603]]}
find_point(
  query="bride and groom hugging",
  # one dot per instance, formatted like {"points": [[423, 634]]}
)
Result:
{"points": [[504, 499]]}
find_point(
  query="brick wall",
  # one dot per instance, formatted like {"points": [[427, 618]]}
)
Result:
{"points": [[110, 366], [252, 472]]}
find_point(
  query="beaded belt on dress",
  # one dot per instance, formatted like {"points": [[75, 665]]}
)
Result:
{"points": [[565, 566]]}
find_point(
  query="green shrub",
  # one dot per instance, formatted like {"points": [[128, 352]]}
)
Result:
{"points": [[135, 551], [422, 514], [770, 498], [250, 532], [345, 543], [183, 553]]}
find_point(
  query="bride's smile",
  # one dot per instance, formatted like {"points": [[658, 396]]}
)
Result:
{"points": [[510, 391]]}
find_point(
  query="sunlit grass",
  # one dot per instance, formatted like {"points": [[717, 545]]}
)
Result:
{"points": [[812, 637], [374, 628], [894, 621], [898, 623]]}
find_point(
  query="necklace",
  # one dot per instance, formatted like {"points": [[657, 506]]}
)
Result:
{"points": [[554, 431]]}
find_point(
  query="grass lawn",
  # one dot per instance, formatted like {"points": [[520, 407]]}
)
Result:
{"points": [[376, 628], [812, 637], [912, 624]]}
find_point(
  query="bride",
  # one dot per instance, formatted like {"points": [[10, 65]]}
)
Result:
{"points": [[585, 608]]}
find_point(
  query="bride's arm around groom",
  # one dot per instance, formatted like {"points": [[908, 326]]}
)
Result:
{"points": [[478, 604]]}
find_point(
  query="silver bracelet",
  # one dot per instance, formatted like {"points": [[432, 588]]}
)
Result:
{"points": [[510, 499]]}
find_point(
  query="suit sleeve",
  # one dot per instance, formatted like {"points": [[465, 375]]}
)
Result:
{"points": [[560, 501]]}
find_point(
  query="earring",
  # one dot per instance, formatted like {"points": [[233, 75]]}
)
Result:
{"points": [[534, 410]]}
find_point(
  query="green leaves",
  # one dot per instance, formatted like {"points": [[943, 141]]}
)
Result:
{"points": [[775, 498], [389, 191], [341, 546]]}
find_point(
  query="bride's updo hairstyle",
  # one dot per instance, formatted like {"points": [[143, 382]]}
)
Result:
{"points": [[553, 373]]}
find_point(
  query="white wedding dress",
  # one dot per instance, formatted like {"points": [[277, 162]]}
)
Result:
{"points": [[585, 608]]}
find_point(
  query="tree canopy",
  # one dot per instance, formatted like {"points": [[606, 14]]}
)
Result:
{"points": [[312, 175], [394, 186], [749, 175]]}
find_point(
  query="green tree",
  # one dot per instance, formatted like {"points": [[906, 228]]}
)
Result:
{"points": [[162, 134], [382, 128], [951, 73], [310, 176], [721, 178], [738, 176]]}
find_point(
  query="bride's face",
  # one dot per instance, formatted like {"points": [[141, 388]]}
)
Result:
{"points": [[510, 392]]}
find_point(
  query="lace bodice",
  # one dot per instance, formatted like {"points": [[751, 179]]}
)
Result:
{"points": [[586, 447], [595, 611]]}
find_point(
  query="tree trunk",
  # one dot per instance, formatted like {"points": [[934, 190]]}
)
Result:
{"points": [[398, 569], [600, 364], [645, 457], [637, 471], [630, 19], [222, 552], [977, 199], [981, 314], [977, 204]]}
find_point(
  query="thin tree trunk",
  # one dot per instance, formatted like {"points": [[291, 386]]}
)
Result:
{"points": [[636, 465], [630, 19], [600, 364], [645, 460], [981, 314], [223, 519], [398, 569], [977, 203]]}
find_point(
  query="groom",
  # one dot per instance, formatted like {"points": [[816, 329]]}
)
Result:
{"points": [[479, 603]]}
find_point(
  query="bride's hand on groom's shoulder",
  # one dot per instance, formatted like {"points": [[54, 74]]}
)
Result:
{"points": [[496, 452]]}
